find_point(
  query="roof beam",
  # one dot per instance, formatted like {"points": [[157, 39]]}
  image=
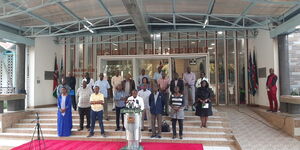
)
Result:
{"points": [[29, 13], [286, 27], [108, 13], [68, 11], [138, 19], [211, 6], [14, 38], [295, 2], [11, 14], [174, 15], [245, 11]]}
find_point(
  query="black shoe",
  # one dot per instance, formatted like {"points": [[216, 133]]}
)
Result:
{"points": [[152, 136], [123, 129], [185, 109], [150, 130], [158, 136], [118, 129], [274, 110], [90, 135], [180, 137], [103, 135], [174, 136], [113, 109], [80, 129], [107, 119], [142, 129], [269, 110]]}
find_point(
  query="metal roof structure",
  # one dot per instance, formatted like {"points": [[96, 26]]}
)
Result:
{"points": [[38, 18]]}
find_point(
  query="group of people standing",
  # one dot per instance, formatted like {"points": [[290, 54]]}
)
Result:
{"points": [[157, 97]]}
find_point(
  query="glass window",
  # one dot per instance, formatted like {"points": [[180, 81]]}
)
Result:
{"points": [[230, 68], [221, 68]]}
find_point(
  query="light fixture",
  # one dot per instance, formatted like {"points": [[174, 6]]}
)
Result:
{"points": [[114, 44], [88, 28], [116, 49], [205, 22], [86, 20], [220, 32], [297, 27], [193, 42], [212, 44], [210, 48]]}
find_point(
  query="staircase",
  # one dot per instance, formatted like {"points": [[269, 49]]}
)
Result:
{"points": [[217, 135]]}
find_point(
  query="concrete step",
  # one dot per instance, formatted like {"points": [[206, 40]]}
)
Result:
{"points": [[113, 126], [187, 113], [76, 116], [76, 121], [111, 132], [202, 140]]}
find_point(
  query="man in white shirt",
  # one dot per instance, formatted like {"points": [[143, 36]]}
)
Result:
{"points": [[84, 106], [136, 100], [189, 79], [202, 78], [115, 81], [145, 93]]}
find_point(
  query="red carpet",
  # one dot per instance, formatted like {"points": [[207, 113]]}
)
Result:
{"points": [[99, 145]]}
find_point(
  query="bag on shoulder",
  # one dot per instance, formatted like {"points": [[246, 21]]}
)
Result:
{"points": [[165, 127]]}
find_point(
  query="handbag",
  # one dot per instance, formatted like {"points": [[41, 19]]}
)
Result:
{"points": [[165, 127]]}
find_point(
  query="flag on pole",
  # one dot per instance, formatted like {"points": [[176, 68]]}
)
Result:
{"points": [[254, 74], [55, 78], [250, 83]]}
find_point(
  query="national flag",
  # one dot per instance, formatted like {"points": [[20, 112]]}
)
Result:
{"points": [[254, 73], [250, 85], [55, 77]]}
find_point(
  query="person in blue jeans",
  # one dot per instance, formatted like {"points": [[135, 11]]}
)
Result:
{"points": [[97, 102], [119, 98]]}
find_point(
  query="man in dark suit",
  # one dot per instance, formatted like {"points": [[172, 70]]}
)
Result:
{"points": [[71, 82], [156, 102], [177, 82]]}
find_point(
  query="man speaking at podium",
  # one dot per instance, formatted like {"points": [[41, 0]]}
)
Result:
{"points": [[133, 121]]}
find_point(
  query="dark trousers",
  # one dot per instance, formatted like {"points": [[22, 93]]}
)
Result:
{"points": [[118, 114], [166, 101], [84, 112], [98, 114], [180, 122], [74, 102]]}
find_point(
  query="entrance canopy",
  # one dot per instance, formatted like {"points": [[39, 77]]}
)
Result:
{"points": [[36, 18]]}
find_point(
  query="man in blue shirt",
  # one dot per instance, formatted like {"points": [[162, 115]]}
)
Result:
{"points": [[119, 98], [157, 75], [104, 87]]}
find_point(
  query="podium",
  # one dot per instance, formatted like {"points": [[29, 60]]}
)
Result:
{"points": [[132, 125]]}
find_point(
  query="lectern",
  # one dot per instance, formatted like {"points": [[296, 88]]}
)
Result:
{"points": [[133, 128]]}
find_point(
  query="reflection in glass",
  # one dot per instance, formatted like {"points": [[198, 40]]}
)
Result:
{"points": [[230, 69], [221, 69], [241, 52]]}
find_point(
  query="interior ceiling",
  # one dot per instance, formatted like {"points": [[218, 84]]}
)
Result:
{"points": [[32, 14]]}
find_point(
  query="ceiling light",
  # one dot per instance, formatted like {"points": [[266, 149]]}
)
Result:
{"points": [[193, 42], [206, 22], [297, 27], [86, 20], [212, 44], [116, 49], [220, 32], [88, 28], [210, 48]]}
